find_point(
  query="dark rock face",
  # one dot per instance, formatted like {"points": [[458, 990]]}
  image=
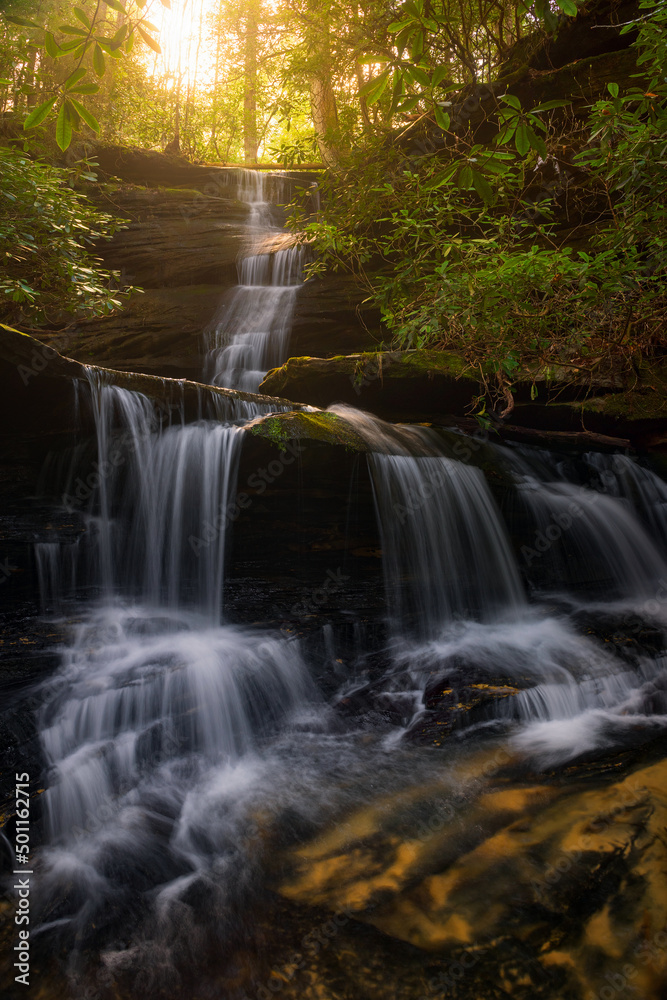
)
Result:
{"points": [[182, 247], [330, 319], [159, 333]]}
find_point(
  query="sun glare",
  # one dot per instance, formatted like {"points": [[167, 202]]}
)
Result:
{"points": [[186, 39]]}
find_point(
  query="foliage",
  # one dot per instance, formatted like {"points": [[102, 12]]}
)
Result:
{"points": [[459, 251], [45, 229], [89, 40]]}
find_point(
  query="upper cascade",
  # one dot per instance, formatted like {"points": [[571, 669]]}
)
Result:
{"points": [[252, 330]]}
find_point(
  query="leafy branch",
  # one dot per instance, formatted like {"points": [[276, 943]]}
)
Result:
{"points": [[88, 36]]}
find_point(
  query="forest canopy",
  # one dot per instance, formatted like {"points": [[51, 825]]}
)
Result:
{"points": [[255, 79], [493, 170]]}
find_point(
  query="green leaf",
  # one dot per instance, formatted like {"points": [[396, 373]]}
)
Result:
{"points": [[465, 177], [6, 83], [150, 42], [71, 29], [408, 104], [72, 115], [550, 105], [116, 5], [85, 88], [613, 89], [107, 47], [536, 141], [63, 129], [439, 74], [129, 44], [513, 101], [119, 37], [89, 119], [417, 48], [442, 118], [414, 8], [22, 22], [493, 167], [74, 78], [397, 26], [418, 75], [522, 139], [403, 38], [66, 47], [483, 188], [367, 87], [99, 62], [380, 85], [51, 46], [568, 7], [505, 134], [370, 59], [81, 50], [83, 17], [37, 116]]}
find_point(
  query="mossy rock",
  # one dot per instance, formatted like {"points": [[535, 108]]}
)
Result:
{"points": [[319, 425], [400, 384], [414, 385]]}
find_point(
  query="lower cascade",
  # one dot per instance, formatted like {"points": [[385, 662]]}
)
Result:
{"points": [[183, 751]]}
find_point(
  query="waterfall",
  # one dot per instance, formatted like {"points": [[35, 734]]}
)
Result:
{"points": [[457, 608], [445, 546], [251, 333], [605, 536], [152, 681], [180, 749]]}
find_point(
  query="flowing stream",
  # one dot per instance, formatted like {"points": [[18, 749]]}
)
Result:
{"points": [[251, 333], [176, 742]]}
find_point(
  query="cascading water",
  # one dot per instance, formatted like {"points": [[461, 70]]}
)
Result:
{"points": [[175, 743], [457, 605], [447, 555], [251, 333], [154, 693]]}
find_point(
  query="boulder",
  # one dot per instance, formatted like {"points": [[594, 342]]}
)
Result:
{"points": [[550, 406]]}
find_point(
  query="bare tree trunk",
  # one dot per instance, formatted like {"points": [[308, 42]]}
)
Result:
{"points": [[216, 84], [323, 100], [250, 137]]}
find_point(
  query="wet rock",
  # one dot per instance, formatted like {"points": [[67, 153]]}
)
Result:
{"points": [[314, 426], [459, 701], [550, 407], [40, 391], [549, 890]]}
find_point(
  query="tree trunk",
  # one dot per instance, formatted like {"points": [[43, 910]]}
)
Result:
{"points": [[323, 100], [250, 138]]}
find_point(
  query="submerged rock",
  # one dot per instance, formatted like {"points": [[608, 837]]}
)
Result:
{"points": [[548, 889]]}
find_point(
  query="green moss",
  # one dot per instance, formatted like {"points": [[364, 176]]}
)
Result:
{"points": [[631, 405], [317, 426], [378, 364]]}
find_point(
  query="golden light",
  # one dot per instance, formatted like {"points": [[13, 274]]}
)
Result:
{"points": [[186, 37]]}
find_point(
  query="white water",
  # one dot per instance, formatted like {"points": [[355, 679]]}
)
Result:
{"points": [[446, 552], [251, 333], [176, 743], [456, 600]]}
